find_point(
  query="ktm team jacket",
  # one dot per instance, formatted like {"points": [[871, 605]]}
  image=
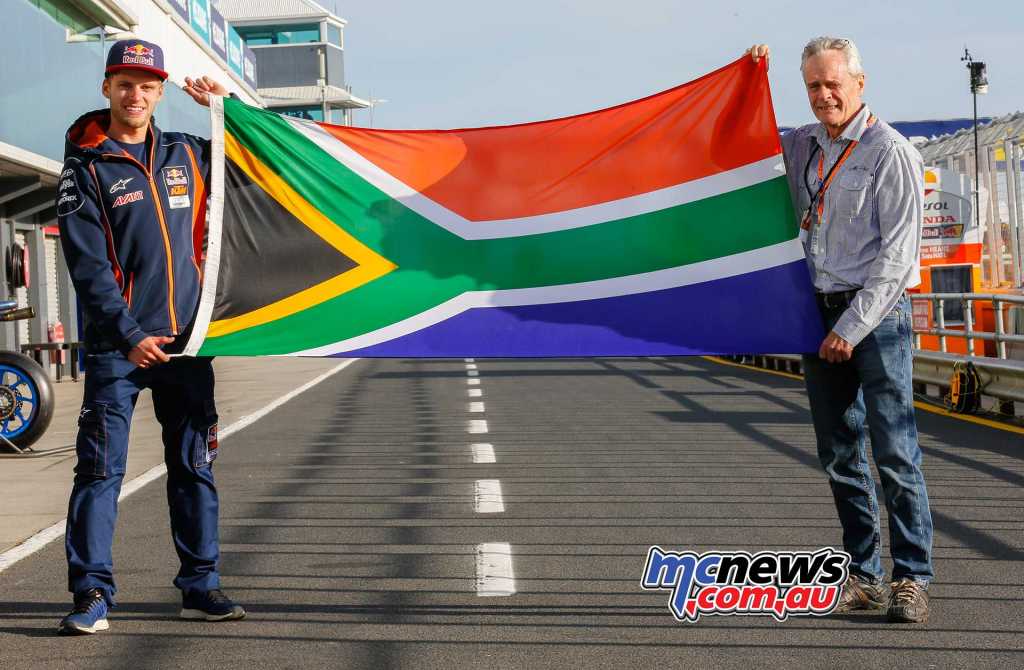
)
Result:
{"points": [[132, 233]]}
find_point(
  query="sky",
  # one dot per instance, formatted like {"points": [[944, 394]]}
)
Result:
{"points": [[464, 63]]}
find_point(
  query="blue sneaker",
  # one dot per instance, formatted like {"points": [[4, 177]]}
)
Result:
{"points": [[209, 606], [89, 615]]}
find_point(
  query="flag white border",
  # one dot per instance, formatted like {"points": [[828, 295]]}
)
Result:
{"points": [[211, 266]]}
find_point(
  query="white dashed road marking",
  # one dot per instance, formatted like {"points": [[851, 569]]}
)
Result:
{"points": [[488, 496], [494, 576], [482, 452]]}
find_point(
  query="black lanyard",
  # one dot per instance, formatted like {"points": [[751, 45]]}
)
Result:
{"points": [[807, 168], [825, 181]]}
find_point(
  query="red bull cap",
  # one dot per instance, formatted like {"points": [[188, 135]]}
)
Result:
{"points": [[136, 55]]}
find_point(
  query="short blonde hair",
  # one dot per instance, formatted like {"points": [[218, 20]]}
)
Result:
{"points": [[845, 46]]}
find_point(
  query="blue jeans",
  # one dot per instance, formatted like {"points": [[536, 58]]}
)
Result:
{"points": [[183, 401], [876, 384]]}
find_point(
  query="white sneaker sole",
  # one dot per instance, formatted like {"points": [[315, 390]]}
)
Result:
{"points": [[199, 615], [75, 629]]}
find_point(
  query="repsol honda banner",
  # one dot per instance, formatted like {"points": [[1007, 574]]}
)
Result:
{"points": [[948, 232]]}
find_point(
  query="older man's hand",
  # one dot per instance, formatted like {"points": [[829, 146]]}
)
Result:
{"points": [[835, 349], [758, 51]]}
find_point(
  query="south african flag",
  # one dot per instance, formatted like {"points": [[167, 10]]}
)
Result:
{"points": [[658, 227]]}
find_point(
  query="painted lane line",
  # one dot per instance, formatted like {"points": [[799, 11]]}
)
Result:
{"points": [[473, 381], [47, 535], [469, 360], [475, 393], [494, 575], [472, 373], [471, 366], [487, 498], [476, 407], [476, 426], [483, 452], [32, 544]]}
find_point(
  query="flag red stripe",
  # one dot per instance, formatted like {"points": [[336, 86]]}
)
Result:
{"points": [[716, 123]]}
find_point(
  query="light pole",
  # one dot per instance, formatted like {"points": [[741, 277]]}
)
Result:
{"points": [[979, 84], [322, 83]]}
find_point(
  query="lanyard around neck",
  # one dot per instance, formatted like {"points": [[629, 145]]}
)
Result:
{"points": [[824, 181]]}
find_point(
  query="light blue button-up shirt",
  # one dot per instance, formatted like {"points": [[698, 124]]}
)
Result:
{"points": [[869, 236]]}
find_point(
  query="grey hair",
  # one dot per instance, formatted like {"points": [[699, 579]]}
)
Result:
{"points": [[844, 46]]}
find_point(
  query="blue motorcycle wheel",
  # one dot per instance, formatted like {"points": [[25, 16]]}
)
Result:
{"points": [[26, 399]]}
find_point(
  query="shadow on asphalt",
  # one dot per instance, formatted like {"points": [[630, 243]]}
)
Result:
{"points": [[748, 424], [351, 521]]}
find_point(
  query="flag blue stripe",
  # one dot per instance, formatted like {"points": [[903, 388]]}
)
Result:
{"points": [[765, 311]]}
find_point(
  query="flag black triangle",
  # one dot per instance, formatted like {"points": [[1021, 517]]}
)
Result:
{"points": [[270, 254]]}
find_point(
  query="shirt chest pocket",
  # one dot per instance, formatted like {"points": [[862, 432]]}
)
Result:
{"points": [[854, 194]]}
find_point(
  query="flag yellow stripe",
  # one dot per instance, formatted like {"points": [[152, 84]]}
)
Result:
{"points": [[369, 264]]}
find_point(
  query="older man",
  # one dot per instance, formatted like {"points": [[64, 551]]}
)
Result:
{"points": [[857, 186]]}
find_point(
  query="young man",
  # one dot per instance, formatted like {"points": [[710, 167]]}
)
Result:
{"points": [[858, 186], [131, 205]]}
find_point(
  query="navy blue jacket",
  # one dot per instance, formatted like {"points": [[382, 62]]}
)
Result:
{"points": [[133, 233]]}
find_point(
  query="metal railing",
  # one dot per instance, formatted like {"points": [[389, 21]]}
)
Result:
{"points": [[1002, 378], [967, 300]]}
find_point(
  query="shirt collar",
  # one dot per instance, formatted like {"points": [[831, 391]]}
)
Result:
{"points": [[853, 131]]}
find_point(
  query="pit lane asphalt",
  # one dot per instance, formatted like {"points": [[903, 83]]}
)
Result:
{"points": [[349, 530]]}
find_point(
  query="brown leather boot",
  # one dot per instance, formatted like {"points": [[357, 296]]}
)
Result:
{"points": [[908, 602], [859, 594]]}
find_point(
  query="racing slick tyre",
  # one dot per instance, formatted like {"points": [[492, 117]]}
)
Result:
{"points": [[26, 399]]}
